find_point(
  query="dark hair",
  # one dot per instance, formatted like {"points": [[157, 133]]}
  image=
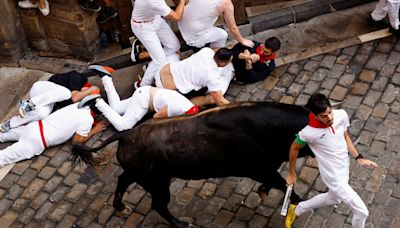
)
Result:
{"points": [[223, 54], [273, 43], [318, 103]]}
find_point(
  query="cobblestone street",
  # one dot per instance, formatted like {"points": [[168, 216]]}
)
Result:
{"points": [[51, 191]]}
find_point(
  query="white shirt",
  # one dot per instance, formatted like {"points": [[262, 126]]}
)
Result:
{"points": [[61, 125], [330, 149], [177, 104], [198, 16], [147, 10], [198, 71]]}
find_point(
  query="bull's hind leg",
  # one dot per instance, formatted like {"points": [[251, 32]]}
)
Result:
{"points": [[160, 194], [124, 180]]}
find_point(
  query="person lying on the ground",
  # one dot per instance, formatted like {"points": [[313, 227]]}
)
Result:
{"points": [[74, 121], [255, 64], [202, 69], [124, 114], [198, 19], [386, 8], [60, 90]]}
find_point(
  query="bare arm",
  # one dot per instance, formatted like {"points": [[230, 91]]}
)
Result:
{"points": [[219, 98], [176, 14], [77, 96], [162, 113], [294, 151], [353, 151], [100, 126], [229, 17]]}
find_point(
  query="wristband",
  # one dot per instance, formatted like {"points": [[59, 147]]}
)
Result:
{"points": [[359, 156]]}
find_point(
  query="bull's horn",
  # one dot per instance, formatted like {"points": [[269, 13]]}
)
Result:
{"points": [[336, 103]]}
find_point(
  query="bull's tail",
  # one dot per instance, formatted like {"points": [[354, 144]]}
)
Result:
{"points": [[85, 153]]}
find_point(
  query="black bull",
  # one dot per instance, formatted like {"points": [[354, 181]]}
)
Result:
{"points": [[244, 139]]}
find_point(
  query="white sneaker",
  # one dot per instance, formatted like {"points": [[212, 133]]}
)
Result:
{"points": [[26, 4], [46, 10], [136, 49]]}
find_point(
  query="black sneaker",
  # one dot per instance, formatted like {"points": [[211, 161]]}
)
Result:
{"points": [[106, 15], [89, 100], [90, 5], [377, 24], [136, 50], [102, 70], [394, 31]]}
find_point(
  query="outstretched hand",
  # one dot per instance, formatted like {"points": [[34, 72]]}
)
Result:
{"points": [[366, 162], [100, 126], [248, 43], [291, 179]]}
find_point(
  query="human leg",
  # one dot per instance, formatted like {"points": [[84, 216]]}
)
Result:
{"points": [[393, 12], [28, 4], [44, 7], [44, 93], [37, 114], [353, 200], [168, 39], [146, 33], [114, 100], [381, 10]]}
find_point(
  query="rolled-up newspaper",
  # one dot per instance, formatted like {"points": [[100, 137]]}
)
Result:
{"points": [[286, 202]]}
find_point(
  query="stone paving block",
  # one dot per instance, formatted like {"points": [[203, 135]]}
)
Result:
{"points": [[195, 183], [356, 126], [343, 59], [265, 211], [105, 214], [390, 94], [384, 134], [376, 147], [367, 48], [294, 89], [308, 174], [39, 200], [98, 202], [394, 144], [275, 197], [225, 189], [94, 225], [27, 177], [8, 218], [58, 194], [317, 57], [366, 137], [243, 97], [320, 185], [39, 162], [71, 179], [214, 205], [59, 158], [347, 80], [135, 196], [9, 181], [285, 80], [356, 64], [269, 83], [363, 112], [302, 99], [207, 190], [53, 183], [396, 79], [65, 168], [93, 189], [350, 50], [311, 65], [387, 70], [336, 220], [320, 74], [311, 87], [50, 152], [359, 88], [67, 221], [253, 200], [59, 211], [328, 61], [371, 98], [380, 83], [26, 215], [380, 110], [244, 186], [20, 167], [287, 100], [186, 196], [398, 69], [34, 187], [233, 202], [294, 68], [43, 211], [395, 107], [328, 83], [382, 197], [19, 205], [77, 191], [244, 213], [47, 172], [352, 102], [223, 218], [373, 185], [259, 95], [4, 205], [303, 77], [133, 220], [394, 58], [392, 207]]}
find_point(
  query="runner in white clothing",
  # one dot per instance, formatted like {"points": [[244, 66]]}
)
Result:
{"points": [[57, 128], [154, 33], [66, 88], [202, 69], [124, 114], [390, 8], [198, 19], [327, 137]]}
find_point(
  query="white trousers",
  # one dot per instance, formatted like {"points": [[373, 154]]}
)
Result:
{"points": [[29, 143], [342, 193], [159, 40], [387, 7], [214, 35], [44, 95], [127, 112]]}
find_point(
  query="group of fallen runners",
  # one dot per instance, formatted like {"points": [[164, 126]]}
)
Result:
{"points": [[172, 87]]}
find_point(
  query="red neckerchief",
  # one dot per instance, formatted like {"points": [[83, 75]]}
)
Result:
{"points": [[314, 122], [263, 57], [94, 120]]}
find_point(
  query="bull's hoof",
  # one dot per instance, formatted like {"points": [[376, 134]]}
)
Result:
{"points": [[124, 212]]}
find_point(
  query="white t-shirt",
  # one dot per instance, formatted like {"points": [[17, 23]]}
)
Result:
{"points": [[198, 71], [198, 16], [147, 10], [330, 149], [61, 125], [177, 104]]}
